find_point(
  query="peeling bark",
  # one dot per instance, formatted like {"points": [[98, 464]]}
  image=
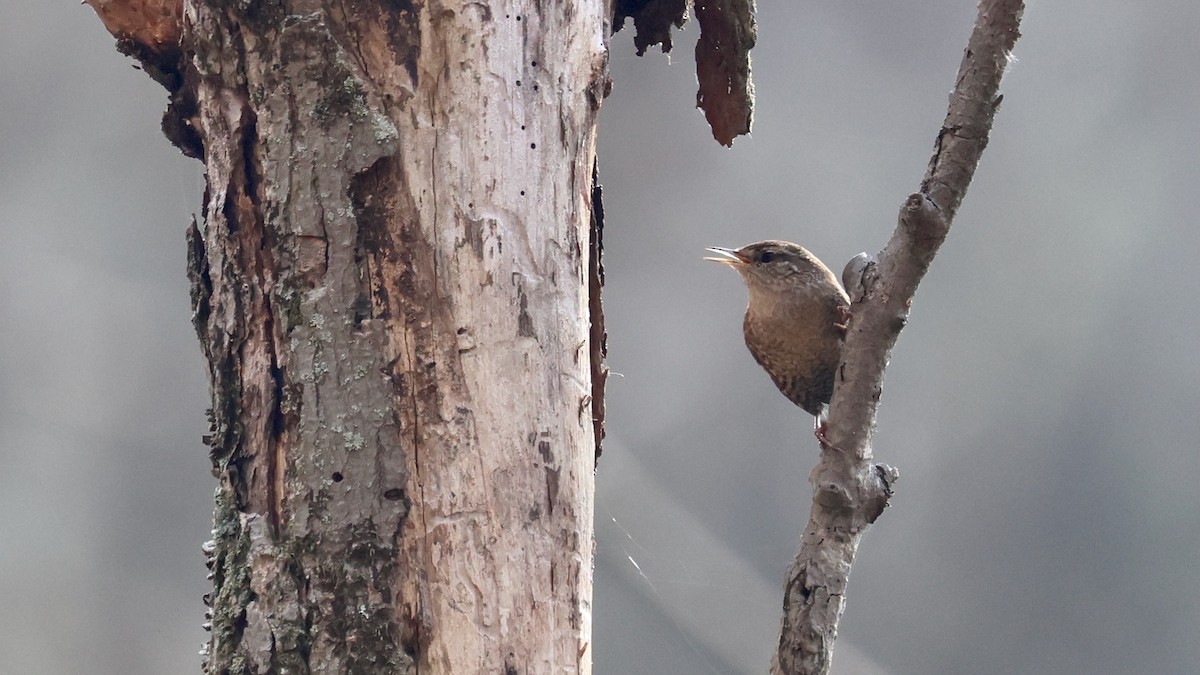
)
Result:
{"points": [[652, 21], [727, 34], [850, 491], [395, 283]]}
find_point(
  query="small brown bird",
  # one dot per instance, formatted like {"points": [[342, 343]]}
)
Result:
{"points": [[795, 319]]}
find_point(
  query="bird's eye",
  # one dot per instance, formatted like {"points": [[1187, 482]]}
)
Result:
{"points": [[766, 256]]}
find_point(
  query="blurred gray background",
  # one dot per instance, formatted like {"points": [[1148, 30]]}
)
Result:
{"points": [[1041, 406]]}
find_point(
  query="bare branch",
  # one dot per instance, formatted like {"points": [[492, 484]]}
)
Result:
{"points": [[850, 492]]}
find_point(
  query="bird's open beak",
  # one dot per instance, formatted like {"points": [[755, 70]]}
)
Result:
{"points": [[729, 256]]}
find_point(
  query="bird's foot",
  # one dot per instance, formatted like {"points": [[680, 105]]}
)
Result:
{"points": [[843, 323], [822, 439]]}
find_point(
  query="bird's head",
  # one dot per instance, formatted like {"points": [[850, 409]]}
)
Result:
{"points": [[775, 266]]}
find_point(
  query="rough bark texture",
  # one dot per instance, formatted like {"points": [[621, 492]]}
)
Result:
{"points": [[392, 284], [850, 491]]}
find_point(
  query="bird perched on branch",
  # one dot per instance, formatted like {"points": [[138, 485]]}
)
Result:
{"points": [[795, 319]]}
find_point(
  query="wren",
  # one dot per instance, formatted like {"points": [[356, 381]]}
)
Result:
{"points": [[795, 319]]}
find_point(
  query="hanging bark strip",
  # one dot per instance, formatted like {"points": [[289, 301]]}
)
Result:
{"points": [[728, 31]]}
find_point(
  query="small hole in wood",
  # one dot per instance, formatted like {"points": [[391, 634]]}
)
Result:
{"points": [[337, 476]]}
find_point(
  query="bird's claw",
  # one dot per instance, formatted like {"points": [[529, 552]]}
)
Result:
{"points": [[843, 323], [822, 439]]}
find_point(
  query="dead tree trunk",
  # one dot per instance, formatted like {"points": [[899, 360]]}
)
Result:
{"points": [[391, 285]]}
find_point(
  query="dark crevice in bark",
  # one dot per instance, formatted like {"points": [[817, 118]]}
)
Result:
{"points": [[201, 281], [404, 33], [365, 246], [369, 196], [524, 320], [277, 424], [181, 118], [597, 333], [251, 165]]}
